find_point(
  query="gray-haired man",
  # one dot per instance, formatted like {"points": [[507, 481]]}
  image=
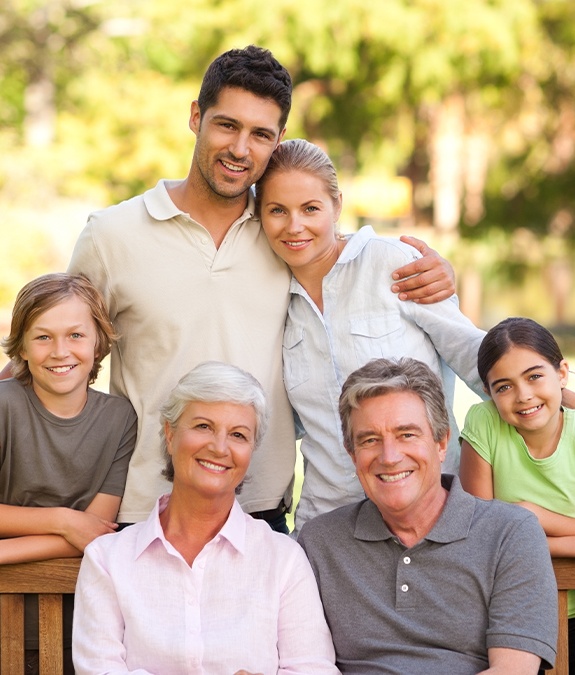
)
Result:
{"points": [[421, 577]]}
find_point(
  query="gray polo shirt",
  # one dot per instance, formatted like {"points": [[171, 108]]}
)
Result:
{"points": [[481, 578]]}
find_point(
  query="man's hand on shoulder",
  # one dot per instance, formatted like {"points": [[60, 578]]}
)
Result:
{"points": [[427, 280]]}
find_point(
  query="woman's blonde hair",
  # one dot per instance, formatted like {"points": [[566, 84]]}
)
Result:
{"points": [[300, 155]]}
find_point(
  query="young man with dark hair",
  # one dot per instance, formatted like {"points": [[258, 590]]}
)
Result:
{"points": [[188, 276]]}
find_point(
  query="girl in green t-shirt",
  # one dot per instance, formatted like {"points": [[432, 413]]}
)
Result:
{"points": [[524, 373], [519, 447]]}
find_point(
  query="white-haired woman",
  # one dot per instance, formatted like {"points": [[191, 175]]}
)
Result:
{"points": [[200, 587]]}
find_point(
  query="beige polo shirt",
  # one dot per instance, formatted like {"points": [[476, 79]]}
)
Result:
{"points": [[176, 301]]}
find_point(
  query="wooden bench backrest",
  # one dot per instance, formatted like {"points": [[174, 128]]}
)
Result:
{"points": [[49, 579], [52, 578]]}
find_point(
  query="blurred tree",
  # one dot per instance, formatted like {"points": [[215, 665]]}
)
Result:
{"points": [[437, 89], [472, 101], [38, 52]]}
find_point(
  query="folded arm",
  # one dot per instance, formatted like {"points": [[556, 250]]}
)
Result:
{"points": [[40, 533], [505, 661], [475, 473], [560, 529]]}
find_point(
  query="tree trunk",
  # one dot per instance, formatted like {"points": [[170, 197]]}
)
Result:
{"points": [[40, 110], [447, 163]]}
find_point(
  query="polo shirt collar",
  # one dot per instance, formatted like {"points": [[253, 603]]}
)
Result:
{"points": [[369, 525], [453, 524], [233, 531], [161, 207], [158, 201]]}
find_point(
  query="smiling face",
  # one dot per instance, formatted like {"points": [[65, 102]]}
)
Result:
{"points": [[59, 347], [211, 447], [299, 216], [396, 459], [526, 390], [234, 141]]}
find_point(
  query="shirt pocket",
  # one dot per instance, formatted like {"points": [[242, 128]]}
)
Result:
{"points": [[374, 337], [295, 360]]}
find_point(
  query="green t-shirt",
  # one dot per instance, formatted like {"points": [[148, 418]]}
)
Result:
{"points": [[517, 476]]}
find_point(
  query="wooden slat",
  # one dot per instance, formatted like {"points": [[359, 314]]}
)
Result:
{"points": [[51, 634], [49, 579], [12, 634], [565, 574]]}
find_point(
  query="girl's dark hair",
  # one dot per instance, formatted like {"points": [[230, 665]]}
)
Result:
{"points": [[518, 331]]}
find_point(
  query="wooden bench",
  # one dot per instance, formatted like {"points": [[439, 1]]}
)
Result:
{"points": [[565, 574], [52, 578], [49, 579]]}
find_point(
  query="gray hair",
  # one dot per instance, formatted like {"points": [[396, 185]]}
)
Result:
{"points": [[384, 376], [213, 382]]}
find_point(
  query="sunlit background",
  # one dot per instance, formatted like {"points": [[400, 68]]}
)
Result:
{"points": [[453, 120], [450, 119]]}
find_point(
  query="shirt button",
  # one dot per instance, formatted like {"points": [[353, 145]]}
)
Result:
{"points": [[407, 560], [405, 588], [204, 241]]}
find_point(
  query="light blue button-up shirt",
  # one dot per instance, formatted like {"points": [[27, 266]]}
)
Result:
{"points": [[363, 320]]}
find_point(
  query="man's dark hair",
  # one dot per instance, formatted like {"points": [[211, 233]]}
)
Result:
{"points": [[253, 69]]}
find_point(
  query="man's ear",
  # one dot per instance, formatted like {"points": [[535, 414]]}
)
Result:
{"points": [[282, 134], [442, 446], [195, 117]]}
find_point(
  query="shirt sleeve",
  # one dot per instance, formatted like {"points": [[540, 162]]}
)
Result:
{"points": [[115, 481], [304, 639], [87, 259], [455, 338], [523, 606], [479, 430], [98, 621]]}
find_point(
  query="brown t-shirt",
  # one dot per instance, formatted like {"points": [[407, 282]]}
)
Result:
{"points": [[46, 460]]}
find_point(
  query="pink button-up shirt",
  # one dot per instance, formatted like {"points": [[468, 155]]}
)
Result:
{"points": [[249, 601]]}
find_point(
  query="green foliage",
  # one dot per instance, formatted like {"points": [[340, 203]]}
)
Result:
{"points": [[369, 77], [26, 252]]}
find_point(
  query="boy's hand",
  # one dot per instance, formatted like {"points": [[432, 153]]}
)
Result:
{"points": [[79, 528]]}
